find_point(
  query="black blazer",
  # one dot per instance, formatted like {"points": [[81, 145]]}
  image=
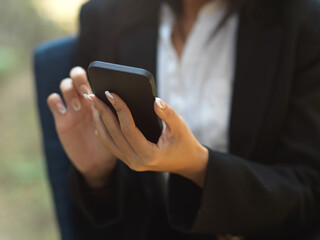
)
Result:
{"points": [[268, 185]]}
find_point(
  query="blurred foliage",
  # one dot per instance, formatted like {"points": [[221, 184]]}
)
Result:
{"points": [[61, 12], [8, 59], [26, 210], [22, 29], [23, 25]]}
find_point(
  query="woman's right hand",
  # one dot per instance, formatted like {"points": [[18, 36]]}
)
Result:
{"points": [[76, 123]]}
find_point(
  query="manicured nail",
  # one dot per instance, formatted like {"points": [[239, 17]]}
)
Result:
{"points": [[160, 103], [61, 108], [76, 105], [110, 97], [87, 97]]}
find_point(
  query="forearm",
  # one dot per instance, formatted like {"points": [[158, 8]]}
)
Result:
{"points": [[196, 172]]}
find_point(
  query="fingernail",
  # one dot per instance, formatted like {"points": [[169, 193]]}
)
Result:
{"points": [[76, 105], [160, 103], [61, 108], [87, 97], [110, 97]]}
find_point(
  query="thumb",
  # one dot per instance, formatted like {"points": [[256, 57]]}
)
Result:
{"points": [[167, 114]]}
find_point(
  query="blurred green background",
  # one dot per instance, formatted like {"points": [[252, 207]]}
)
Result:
{"points": [[26, 210]]}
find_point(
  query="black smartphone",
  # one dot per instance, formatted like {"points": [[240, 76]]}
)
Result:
{"points": [[135, 86]]}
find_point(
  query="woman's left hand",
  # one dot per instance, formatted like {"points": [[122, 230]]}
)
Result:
{"points": [[177, 150]]}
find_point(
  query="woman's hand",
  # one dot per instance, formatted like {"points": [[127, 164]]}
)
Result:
{"points": [[76, 126], [177, 150]]}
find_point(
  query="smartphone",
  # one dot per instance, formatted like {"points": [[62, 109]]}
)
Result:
{"points": [[135, 86]]}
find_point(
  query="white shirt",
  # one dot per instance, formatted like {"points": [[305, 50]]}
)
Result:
{"points": [[199, 85]]}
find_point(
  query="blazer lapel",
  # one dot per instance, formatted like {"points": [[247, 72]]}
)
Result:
{"points": [[256, 62], [139, 49]]}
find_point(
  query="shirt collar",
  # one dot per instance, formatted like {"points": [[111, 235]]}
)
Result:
{"points": [[167, 16]]}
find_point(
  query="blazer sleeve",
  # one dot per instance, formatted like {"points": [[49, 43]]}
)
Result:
{"points": [[96, 17], [242, 197], [102, 207], [131, 206]]}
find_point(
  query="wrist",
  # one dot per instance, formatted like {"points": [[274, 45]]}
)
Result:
{"points": [[197, 169], [99, 180]]}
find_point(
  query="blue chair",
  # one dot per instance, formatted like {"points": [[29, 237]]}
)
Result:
{"points": [[52, 62]]}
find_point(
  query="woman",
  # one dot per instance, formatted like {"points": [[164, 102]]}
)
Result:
{"points": [[241, 142]]}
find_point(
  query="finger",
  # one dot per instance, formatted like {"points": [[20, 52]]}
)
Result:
{"points": [[134, 136], [166, 113], [104, 136], [113, 127], [80, 80], [56, 105], [70, 95]]}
